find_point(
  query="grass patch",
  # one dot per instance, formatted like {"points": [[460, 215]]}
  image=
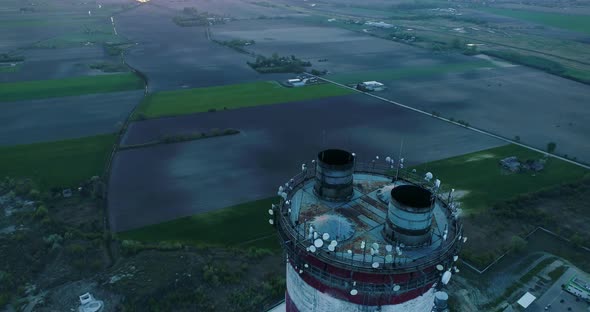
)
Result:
{"points": [[38, 89], [579, 23], [480, 174], [394, 74], [57, 164], [170, 103], [556, 273], [244, 225]]}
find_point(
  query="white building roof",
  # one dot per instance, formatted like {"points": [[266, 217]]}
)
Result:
{"points": [[280, 308], [526, 300]]}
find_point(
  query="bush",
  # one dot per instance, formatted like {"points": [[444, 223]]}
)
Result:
{"points": [[41, 212]]}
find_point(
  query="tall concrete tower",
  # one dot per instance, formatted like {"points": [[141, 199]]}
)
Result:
{"points": [[365, 237]]}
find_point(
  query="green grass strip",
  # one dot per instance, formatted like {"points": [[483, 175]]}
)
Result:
{"points": [[170, 103], [481, 175], [38, 89], [575, 22], [240, 225], [57, 164]]}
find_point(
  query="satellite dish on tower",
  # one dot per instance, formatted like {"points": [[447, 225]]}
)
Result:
{"points": [[428, 176], [354, 292], [326, 236], [446, 277], [318, 243], [334, 243], [331, 247], [312, 248]]}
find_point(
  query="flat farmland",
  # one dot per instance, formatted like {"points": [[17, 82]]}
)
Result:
{"points": [[39, 89], [45, 64], [511, 101], [151, 185], [340, 50], [175, 57], [64, 118], [169, 103]]}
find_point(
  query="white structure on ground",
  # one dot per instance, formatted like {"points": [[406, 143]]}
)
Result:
{"points": [[379, 24], [526, 300], [297, 82], [89, 304], [372, 86]]}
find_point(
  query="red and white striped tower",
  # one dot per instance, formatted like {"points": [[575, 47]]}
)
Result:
{"points": [[358, 239]]}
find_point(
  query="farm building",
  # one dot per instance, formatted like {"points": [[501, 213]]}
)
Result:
{"points": [[371, 86]]}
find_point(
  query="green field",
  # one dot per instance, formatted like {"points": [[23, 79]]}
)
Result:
{"points": [[170, 103], [479, 173], [580, 23], [394, 74], [57, 164], [38, 89], [244, 225]]}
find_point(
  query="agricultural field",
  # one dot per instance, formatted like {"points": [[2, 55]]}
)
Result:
{"points": [[514, 102], [55, 119], [480, 178], [249, 219], [39, 89], [57, 164], [170, 103], [205, 175], [574, 22], [171, 55]]}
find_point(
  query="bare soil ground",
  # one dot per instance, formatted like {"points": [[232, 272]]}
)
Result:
{"points": [[150, 185]]}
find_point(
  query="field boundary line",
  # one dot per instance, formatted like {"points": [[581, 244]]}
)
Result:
{"points": [[481, 131]]}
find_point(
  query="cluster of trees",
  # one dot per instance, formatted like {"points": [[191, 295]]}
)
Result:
{"points": [[279, 64]]}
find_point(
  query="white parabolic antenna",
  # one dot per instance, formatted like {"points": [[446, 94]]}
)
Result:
{"points": [[389, 248], [326, 236], [270, 212], [318, 243], [446, 277], [376, 246], [349, 251], [312, 248], [375, 265], [396, 288], [271, 221], [331, 247], [354, 292], [428, 176], [334, 243], [455, 258], [440, 267], [389, 258]]}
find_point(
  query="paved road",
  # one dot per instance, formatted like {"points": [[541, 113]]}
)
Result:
{"points": [[555, 294]]}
